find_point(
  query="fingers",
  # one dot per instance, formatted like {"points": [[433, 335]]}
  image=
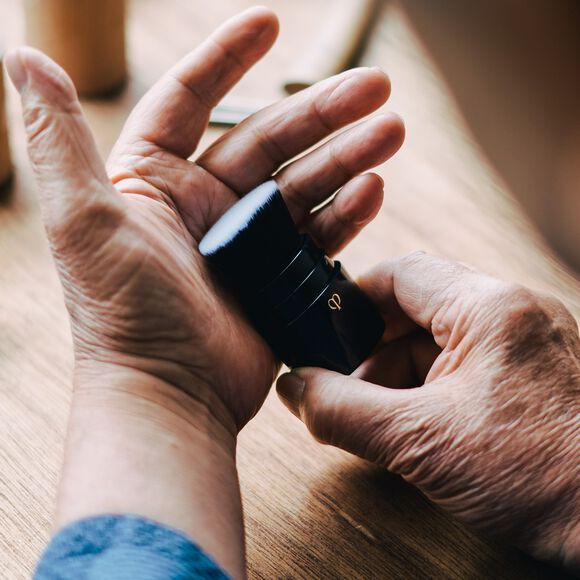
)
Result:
{"points": [[428, 291], [73, 185], [403, 362], [174, 113], [311, 179], [334, 225], [251, 152], [383, 425]]}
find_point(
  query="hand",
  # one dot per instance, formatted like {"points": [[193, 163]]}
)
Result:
{"points": [[493, 433], [125, 243], [167, 370]]}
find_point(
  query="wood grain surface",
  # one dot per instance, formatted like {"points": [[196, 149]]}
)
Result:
{"points": [[311, 511]]}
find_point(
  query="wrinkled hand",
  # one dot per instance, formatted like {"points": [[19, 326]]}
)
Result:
{"points": [[125, 240], [493, 433]]}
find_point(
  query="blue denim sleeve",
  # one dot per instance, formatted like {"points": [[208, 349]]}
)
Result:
{"points": [[123, 547]]}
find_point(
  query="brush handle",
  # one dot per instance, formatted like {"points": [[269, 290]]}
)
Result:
{"points": [[337, 329], [346, 25]]}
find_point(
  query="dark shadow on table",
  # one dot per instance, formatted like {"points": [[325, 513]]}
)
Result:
{"points": [[374, 525]]}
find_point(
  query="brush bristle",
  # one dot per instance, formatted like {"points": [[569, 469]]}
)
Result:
{"points": [[254, 240]]}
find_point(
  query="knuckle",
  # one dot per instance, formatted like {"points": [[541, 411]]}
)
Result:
{"points": [[414, 258], [531, 325], [267, 142], [336, 159], [320, 108], [58, 87], [520, 308], [440, 269], [517, 294], [38, 119], [43, 117], [323, 420], [418, 444], [232, 58], [559, 311], [86, 224], [200, 96]]}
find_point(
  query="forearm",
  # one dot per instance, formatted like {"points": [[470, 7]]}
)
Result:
{"points": [[138, 445]]}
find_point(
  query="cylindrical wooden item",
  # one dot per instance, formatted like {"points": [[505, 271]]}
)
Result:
{"points": [[86, 37], [5, 162], [340, 36]]}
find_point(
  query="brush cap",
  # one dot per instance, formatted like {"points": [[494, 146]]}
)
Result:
{"points": [[254, 240]]}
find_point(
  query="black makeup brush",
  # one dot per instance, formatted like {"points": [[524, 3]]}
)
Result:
{"points": [[304, 304]]}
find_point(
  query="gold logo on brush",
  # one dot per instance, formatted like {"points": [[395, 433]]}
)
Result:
{"points": [[334, 302]]}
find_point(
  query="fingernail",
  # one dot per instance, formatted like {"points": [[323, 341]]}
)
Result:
{"points": [[290, 388], [16, 70]]}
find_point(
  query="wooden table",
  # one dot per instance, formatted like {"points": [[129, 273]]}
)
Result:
{"points": [[311, 511]]}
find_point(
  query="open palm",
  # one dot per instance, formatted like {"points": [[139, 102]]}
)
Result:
{"points": [[125, 239]]}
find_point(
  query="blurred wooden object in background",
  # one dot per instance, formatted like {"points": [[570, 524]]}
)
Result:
{"points": [[86, 37], [343, 30], [311, 511], [5, 161]]}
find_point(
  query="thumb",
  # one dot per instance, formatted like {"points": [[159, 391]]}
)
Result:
{"points": [[393, 427], [74, 189]]}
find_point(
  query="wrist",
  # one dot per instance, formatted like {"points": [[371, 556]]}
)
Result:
{"points": [[178, 406], [138, 445]]}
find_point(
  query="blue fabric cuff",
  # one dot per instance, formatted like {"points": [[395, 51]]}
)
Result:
{"points": [[119, 547]]}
